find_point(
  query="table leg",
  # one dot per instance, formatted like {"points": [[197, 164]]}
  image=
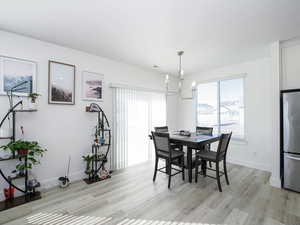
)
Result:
{"points": [[189, 163]]}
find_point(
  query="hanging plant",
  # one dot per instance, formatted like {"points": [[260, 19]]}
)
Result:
{"points": [[22, 149]]}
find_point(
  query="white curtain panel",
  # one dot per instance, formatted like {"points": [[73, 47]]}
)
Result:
{"points": [[135, 113]]}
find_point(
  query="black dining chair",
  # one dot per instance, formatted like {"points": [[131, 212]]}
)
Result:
{"points": [[164, 151], [215, 157], [205, 131], [165, 129], [175, 146]]}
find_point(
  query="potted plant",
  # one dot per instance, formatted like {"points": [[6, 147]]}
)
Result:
{"points": [[32, 104], [33, 97], [30, 149], [88, 159]]}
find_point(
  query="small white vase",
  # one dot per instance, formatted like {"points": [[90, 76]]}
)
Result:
{"points": [[5, 154], [32, 105]]}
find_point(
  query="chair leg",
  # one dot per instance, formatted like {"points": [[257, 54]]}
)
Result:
{"points": [[181, 148], [169, 172], [218, 176], [196, 171], [182, 168], [208, 149], [225, 171], [155, 168], [203, 167], [167, 166]]}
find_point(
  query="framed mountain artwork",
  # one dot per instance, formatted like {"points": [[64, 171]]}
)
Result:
{"points": [[61, 89]]}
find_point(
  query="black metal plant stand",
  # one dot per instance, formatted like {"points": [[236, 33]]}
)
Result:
{"points": [[101, 146], [29, 194]]}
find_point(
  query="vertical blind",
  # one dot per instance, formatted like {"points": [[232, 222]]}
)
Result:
{"points": [[135, 113]]}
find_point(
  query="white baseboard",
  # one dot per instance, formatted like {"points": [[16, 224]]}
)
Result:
{"points": [[53, 182], [275, 182], [259, 166]]}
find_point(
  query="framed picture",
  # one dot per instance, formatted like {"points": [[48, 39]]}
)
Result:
{"points": [[61, 88], [92, 86], [18, 75]]}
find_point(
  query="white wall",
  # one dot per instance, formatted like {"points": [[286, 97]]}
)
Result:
{"points": [[63, 129], [290, 55], [258, 111]]}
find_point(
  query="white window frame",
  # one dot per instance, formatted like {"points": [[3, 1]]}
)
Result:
{"points": [[218, 81]]}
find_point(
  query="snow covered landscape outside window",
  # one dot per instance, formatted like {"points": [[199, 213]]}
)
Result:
{"points": [[220, 105]]}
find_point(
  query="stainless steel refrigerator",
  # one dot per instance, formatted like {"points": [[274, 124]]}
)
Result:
{"points": [[290, 139]]}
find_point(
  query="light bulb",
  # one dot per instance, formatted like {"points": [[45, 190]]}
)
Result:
{"points": [[193, 84], [167, 78], [181, 72]]}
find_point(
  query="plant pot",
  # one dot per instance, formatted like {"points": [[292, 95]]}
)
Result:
{"points": [[63, 182], [32, 104], [103, 173], [5, 154], [22, 152], [88, 167], [14, 174], [9, 193]]}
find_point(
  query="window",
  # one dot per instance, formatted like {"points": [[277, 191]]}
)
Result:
{"points": [[220, 105]]}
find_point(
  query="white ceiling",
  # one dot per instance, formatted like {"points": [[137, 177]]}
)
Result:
{"points": [[146, 32]]}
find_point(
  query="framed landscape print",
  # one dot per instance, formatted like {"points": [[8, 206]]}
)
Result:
{"points": [[92, 86], [61, 83], [14, 72]]}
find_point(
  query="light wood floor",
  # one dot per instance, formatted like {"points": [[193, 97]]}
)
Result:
{"points": [[130, 193]]}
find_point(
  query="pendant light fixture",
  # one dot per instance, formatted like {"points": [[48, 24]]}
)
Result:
{"points": [[181, 80]]}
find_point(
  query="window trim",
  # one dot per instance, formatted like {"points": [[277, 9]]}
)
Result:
{"points": [[218, 81], [223, 78]]}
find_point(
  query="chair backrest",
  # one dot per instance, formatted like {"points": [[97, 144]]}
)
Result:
{"points": [[161, 142], [161, 129], [223, 144], [204, 130]]}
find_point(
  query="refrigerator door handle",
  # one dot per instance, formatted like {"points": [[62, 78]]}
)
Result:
{"points": [[295, 158]]}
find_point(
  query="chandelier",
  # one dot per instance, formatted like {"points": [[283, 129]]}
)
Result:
{"points": [[181, 80]]}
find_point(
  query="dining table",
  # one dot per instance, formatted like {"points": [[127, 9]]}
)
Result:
{"points": [[193, 142]]}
